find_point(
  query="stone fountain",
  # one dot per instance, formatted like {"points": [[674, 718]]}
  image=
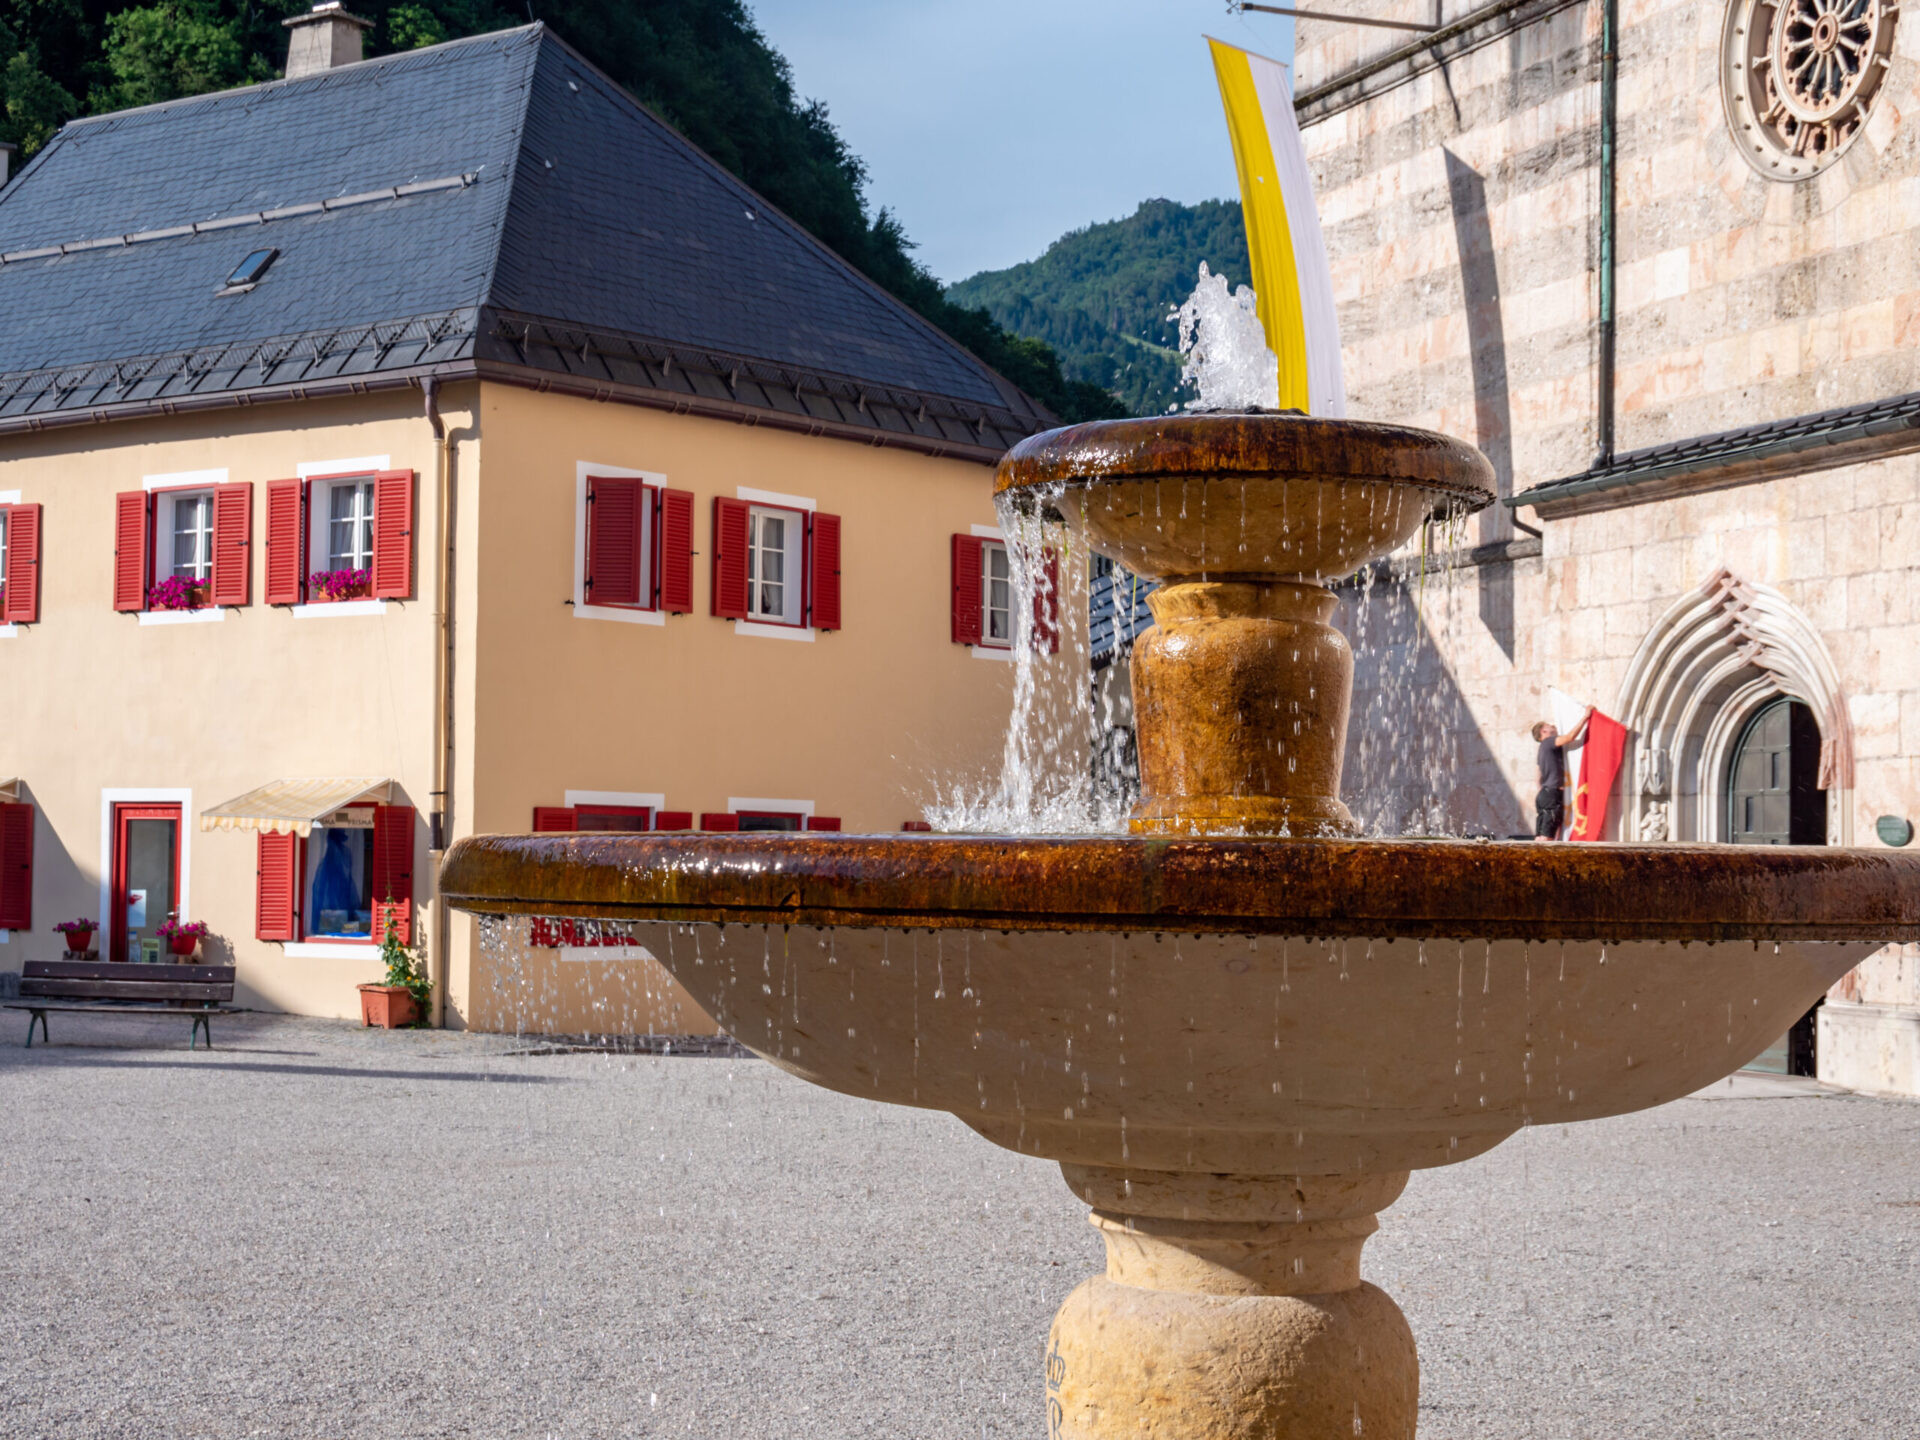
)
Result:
{"points": [[1240, 1027]]}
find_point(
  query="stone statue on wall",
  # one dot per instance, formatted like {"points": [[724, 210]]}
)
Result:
{"points": [[1656, 822], [1651, 763]]}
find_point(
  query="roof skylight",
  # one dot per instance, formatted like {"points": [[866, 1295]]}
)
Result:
{"points": [[249, 270]]}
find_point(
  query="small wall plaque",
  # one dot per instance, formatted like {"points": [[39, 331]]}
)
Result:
{"points": [[1893, 830]]}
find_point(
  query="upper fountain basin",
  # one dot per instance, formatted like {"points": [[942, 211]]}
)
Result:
{"points": [[1239, 496]]}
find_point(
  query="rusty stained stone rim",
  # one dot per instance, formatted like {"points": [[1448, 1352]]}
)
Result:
{"points": [[1250, 444], [1318, 887]]}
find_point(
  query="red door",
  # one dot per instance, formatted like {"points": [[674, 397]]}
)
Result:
{"points": [[146, 875]]}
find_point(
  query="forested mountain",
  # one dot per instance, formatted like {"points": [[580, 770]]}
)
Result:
{"points": [[701, 64], [1100, 296]]}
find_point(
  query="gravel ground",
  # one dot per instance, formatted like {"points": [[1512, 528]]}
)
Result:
{"points": [[320, 1231]]}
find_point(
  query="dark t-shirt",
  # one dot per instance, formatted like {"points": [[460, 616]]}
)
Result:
{"points": [[1553, 765]]}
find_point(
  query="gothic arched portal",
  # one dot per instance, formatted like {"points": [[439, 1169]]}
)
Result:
{"points": [[1710, 665]]}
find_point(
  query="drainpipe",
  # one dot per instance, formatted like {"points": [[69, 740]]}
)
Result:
{"points": [[1609, 142], [440, 958]]}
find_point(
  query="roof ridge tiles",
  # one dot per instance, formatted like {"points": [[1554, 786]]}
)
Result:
{"points": [[373, 64]]}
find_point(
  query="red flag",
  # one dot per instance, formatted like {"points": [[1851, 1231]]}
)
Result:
{"points": [[1606, 744]]}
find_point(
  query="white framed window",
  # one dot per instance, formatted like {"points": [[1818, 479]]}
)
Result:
{"points": [[340, 524], [186, 531], [338, 870], [996, 595], [652, 524], [776, 539]]}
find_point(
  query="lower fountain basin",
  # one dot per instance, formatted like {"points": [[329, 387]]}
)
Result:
{"points": [[1219, 1006]]}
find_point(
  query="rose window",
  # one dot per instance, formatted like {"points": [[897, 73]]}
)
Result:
{"points": [[1799, 78]]}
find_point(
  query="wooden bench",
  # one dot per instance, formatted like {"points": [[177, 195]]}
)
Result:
{"points": [[108, 989]]}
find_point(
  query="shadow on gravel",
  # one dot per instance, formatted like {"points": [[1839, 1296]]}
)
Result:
{"points": [[79, 1057]]}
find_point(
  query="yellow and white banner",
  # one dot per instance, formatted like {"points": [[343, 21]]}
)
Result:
{"points": [[1290, 272]]}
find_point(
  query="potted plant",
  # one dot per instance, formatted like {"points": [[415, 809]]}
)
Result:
{"points": [[79, 935], [177, 592], [183, 937], [401, 999], [331, 585]]}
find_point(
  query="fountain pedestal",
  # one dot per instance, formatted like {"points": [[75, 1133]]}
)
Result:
{"points": [[1232, 1309]]}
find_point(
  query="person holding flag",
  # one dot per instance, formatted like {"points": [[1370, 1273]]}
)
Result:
{"points": [[1550, 803]]}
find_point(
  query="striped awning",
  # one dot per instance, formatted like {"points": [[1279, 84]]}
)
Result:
{"points": [[293, 806]]}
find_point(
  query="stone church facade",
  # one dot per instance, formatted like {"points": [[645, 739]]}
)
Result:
{"points": [[1660, 260]]}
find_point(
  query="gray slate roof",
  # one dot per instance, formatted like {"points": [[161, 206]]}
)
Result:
{"points": [[492, 206]]}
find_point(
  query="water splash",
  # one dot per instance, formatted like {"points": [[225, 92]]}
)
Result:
{"points": [[1227, 360]]}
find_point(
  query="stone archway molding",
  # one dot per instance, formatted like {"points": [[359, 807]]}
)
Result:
{"points": [[1716, 655]]}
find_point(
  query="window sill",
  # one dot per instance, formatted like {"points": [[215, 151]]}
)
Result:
{"points": [[331, 950], [205, 615], [330, 609], [772, 632], [630, 616], [7, 632], [993, 652], [604, 953]]}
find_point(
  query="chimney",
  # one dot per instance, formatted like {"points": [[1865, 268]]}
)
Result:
{"points": [[7, 149], [325, 37]]}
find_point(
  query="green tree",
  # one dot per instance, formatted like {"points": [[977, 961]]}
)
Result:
{"points": [[411, 26], [162, 52], [32, 103]]}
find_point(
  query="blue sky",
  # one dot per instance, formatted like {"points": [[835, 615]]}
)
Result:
{"points": [[992, 127]]}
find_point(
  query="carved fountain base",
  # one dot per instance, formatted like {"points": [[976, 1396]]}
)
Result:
{"points": [[1232, 1309]]}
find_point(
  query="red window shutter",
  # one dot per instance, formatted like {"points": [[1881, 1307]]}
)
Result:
{"points": [[393, 535], [613, 540], [286, 567], [729, 558], [130, 510], [232, 544], [23, 565], [673, 820], [392, 889], [276, 913], [824, 822], [719, 822], [1046, 603], [675, 568], [967, 562], [554, 817], [823, 579], [16, 863], [916, 827]]}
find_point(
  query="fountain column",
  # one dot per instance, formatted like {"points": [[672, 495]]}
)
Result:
{"points": [[1241, 692], [1232, 1309]]}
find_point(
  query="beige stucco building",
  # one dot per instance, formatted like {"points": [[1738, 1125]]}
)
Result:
{"points": [[1675, 297], [537, 476]]}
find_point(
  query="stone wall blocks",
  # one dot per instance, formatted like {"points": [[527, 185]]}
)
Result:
{"points": [[1894, 659], [1910, 745], [1806, 549], [1900, 533], [1876, 723]]}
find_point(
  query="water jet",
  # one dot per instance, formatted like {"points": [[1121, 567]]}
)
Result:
{"points": [[1296, 1018]]}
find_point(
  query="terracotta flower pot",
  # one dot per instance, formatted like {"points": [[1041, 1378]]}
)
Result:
{"points": [[79, 941], [182, 944], [390, 1007]]}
